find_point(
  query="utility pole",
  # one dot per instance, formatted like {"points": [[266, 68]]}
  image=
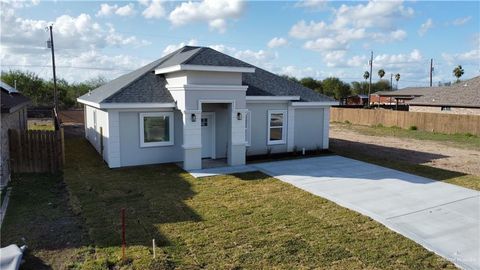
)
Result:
{"points": [[431, 71], [51, 46], [370, 83], [391, 81]]}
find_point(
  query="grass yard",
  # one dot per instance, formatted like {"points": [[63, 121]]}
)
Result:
{"points": [[40, 124], [468, 141], [225, 222]]}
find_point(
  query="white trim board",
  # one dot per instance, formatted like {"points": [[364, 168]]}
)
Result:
{"points": [[314, 104], [206, 87], [271, 98], [204, 68], [127, 105]]}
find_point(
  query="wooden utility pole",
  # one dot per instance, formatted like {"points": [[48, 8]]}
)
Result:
{"points": [[391, 81], [431, 71], [51, 46], [370, 83]]}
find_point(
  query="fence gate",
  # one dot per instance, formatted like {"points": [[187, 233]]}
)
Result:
{"points": [[36, 151]]}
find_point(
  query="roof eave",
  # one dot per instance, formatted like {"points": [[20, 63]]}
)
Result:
{"points": [[182, 67], [138, 105]]}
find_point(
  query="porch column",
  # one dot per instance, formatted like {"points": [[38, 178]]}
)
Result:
{"points": [[192, 140], [236, 151]]}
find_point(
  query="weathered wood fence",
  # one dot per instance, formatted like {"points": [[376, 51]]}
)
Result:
{"points": [[36, 151], [433, 122]]}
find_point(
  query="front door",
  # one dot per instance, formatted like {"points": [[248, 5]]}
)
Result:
{"points": [[207, 134]]}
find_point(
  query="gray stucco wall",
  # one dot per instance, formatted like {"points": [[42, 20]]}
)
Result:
{"points": [[309, 128], [259, 125], [132, 154], [15, 120]]}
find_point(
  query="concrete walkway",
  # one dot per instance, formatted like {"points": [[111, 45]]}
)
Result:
{"points": [[441, 217]]}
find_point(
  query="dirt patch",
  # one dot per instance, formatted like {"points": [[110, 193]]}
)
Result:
{"points": [[430, 153], [71, 117]]}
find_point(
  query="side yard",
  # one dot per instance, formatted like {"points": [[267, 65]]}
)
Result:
{"points": [[450, 158], [240, 221]]}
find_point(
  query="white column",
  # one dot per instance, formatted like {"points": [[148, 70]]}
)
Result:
{"points": [[113, 135], [192, 140], [236, 153], [326, 127], [290, 128]]}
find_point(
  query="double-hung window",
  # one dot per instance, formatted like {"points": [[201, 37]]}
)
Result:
{"points": [[277, 127], [156, 129]]}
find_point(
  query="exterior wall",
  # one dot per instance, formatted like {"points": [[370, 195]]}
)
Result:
{"points": [[92, 130], [204, 77], [453, 110], [130, 151], [15, 120], [309, 128], [259, 126]]}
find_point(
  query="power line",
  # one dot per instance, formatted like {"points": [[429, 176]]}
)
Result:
{"points": [[74, 67]]}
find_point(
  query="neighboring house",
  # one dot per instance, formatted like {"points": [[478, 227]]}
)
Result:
{"points": [[459, 98], [356, 100], [399, 97], [13, 116], [198, 103]]}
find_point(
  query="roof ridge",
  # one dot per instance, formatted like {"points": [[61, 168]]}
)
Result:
{"points": [[193, 55]]}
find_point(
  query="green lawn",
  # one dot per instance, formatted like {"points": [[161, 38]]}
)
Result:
{"points": [[247, 220], [468, 141]]}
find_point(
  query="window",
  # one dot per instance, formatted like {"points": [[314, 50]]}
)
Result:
{"points": [[156, 129], [446, 108], [248, 128], [276, 127]]}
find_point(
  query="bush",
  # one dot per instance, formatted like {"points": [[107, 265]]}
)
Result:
{"points": [[347, 122], [379, 125], [413, 128]]}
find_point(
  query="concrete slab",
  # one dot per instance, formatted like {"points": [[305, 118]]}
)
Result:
{"points": [[221, 171], [443, 218]]}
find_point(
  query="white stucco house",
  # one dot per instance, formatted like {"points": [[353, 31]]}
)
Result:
{"points": [[197, 103]]}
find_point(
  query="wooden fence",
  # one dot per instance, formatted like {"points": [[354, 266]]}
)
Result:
{"points": [[433, 122], [36, 151]]}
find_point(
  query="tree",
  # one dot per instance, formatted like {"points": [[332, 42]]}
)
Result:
{"points": [[333, 86], [291, 78], [397, 78], [366, 75], [313, 84], [381, 73], [458, 72]]}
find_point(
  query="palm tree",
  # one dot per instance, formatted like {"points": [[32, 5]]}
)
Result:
{"points": [[381, 73], [366, 75], [397, 78], [458, 72]]}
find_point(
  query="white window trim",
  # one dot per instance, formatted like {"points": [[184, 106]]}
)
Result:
{"points": [[248, 128], [171, 127], [284, 127]]}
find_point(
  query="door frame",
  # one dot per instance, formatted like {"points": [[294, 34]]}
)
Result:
{"points": [[214, 131]]}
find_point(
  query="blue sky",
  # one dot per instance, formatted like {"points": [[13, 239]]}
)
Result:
{"points": [[307, 38]]}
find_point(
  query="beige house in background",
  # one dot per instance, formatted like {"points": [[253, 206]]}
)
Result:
{"points": [[459, 98]]}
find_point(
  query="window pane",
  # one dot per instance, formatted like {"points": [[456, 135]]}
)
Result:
{"points": [[276, 119], [276, 134], [156, 129]]}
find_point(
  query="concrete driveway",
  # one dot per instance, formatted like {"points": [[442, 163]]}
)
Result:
{"points": [[441, 217]]}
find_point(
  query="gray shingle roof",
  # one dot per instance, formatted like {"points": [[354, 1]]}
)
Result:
{"points": [[408, 91], [462, 94], [11, 99], [143, 86]]}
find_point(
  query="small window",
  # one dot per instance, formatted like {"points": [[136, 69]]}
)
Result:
{"points": [[248, 127], [446, 108], [204, 122], [156, 129], [276, 127]]}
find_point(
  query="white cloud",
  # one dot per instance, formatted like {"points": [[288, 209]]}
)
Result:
{"points": [[471, 57], [215, 12], [325, 45], [461, 21], [108, 10], [312, 4], [154, 10], [277, 42], [79, 41], [425, 27], [173, 47], [261, 58], [304, 30]]}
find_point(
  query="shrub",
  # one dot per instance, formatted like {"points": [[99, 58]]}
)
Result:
{"points": [[347, 122], [413, 128], [379, 125]]}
